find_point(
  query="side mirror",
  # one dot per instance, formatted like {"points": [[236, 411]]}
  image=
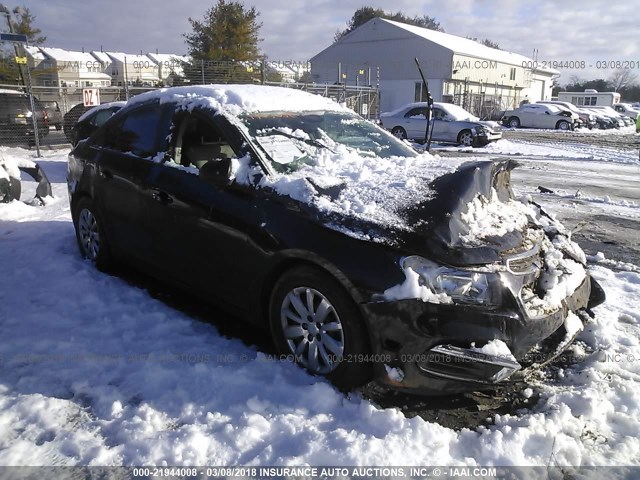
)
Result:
{"points": [[217, 171]]}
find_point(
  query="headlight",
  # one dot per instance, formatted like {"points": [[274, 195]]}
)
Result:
{"points": [[480, 130], [461, 285]]}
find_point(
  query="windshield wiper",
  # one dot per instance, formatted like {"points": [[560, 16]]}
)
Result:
{"points": [[309, 141]]}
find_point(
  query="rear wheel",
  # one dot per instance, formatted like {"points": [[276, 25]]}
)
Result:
{"points": [[514, 122], [399, 132], [92, 241], [465, 138], [313, 318]]}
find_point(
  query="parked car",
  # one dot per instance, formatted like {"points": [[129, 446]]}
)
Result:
{"points": [[604, 121], [53, 113], [451, 124], [361, 257], [537, 115], [90, 120], [588, 119], [626, 109], [623, 120], [638, 124], [16, 123]]}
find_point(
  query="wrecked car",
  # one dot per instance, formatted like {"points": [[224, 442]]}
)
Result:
{"points": [[362, 258], [11, 184]]}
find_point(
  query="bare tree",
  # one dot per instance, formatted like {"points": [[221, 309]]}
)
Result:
{"points": [[621, 78]]}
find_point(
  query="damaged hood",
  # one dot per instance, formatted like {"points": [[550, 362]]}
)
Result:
{"points": [[449, 224]]}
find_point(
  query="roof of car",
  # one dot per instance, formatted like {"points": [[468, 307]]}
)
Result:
{"points": [[237, 99]]}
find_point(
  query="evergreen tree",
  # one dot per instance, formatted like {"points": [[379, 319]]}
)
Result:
{"points": [[22, 22], [228, 32]]}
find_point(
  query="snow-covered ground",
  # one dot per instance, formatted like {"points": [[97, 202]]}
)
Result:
{"points": [[94, 371]]}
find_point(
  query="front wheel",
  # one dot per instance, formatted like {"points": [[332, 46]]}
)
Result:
{"points": [[314, 319], [92, 241], [399, 132], [514, 122], [465, 138], [563, 125]]}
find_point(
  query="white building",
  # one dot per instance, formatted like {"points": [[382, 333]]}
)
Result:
{"points": [[169, 66], [131, 69], [462, 71], [55, 67]]}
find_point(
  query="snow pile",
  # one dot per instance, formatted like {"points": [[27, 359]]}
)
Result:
{"points": [[237, 99], [490, 217], [495, 348], [411, 288], [93, 371]]}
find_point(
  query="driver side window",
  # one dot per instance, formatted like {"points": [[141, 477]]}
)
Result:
{"points": [[198, 141]]}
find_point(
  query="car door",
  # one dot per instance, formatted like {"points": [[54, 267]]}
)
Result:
{"points": [[201, 224], [124, 152], [415, 122], [440, 125]]}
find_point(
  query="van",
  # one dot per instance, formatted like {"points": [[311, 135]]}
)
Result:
{"points": [[16, 122]]}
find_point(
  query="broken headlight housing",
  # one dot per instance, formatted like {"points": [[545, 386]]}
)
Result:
{"points": [[462, 285]]}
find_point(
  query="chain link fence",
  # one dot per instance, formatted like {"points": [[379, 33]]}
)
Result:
{"points": [[58, 98]]}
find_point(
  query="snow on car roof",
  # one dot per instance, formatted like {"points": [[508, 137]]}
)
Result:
{"points": [[236, 99], [103, 106]]}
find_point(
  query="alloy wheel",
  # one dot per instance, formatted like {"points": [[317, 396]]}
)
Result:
{"points": [[89, 234], [312, 329]]}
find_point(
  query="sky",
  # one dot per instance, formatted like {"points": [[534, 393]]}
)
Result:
{"points": [[586, 34]]}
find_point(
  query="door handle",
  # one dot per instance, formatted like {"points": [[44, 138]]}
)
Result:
{"points": [[162, 197]]}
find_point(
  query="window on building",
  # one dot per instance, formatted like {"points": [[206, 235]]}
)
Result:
{"points": [[420, 94], [512, 73]]}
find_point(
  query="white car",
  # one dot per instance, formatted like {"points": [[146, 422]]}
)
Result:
{"points": [[451, 124], [627, 109], [538, 115], [626, 120]]}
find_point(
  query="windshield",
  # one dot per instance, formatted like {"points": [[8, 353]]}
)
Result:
{"points": [[293, 139]]}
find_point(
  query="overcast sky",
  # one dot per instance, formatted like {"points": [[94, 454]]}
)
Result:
{"points": [[592, 31]]}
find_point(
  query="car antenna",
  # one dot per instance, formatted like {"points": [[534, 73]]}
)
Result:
{"points": [[429, 131]]}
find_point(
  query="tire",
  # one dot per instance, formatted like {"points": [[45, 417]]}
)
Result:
{"points": [[465, 138], [312, 317], [563, 125], [90, 235], [399, 132], [514, 122]]}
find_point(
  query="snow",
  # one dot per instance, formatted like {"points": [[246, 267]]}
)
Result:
{"points": [[495, 348], [570, 151], [94, 371], [466, 46], [102, 106], [238, 99], [375, 189]]}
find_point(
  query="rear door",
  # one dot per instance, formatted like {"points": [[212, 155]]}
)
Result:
{"points": [[124, 152]]}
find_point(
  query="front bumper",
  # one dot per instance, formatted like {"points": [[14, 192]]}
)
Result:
{"points": [[431, 343]]}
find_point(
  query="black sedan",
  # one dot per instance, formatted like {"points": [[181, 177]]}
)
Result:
{"points": [[362, 258]]}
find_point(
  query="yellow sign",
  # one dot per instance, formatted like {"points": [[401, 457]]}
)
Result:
{"points": [[21, 60]]}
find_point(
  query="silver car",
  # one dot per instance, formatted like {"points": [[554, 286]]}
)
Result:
{"points": [[451, 124], [538, 115]]}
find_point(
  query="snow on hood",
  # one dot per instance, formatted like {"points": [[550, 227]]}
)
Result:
{"points": [[372, 189], [238, 99]]}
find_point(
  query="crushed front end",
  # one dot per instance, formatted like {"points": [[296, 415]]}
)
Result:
{"points": [[459, 327]]}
